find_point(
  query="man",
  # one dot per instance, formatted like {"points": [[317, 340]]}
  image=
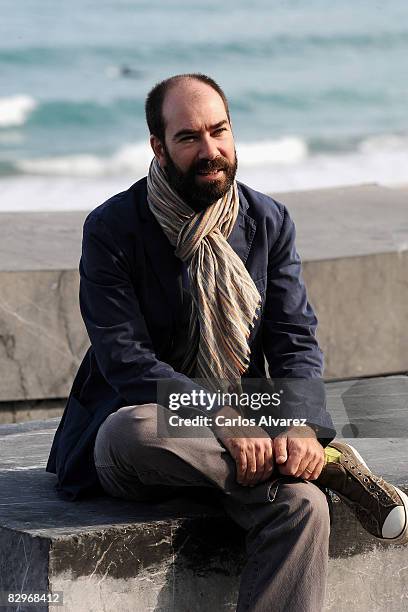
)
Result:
{"points": [[189, 274]]}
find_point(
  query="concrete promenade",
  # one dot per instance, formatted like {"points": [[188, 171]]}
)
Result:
{"points": [[109, 554], [353, 242], [183, 556]]}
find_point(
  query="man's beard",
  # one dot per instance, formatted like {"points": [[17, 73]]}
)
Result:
{"points": [[201, 195]]}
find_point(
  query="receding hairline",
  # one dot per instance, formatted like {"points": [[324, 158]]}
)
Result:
{"points": [[186, 78], [157, 96]]}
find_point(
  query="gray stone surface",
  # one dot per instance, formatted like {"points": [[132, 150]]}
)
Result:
{"points": [[354, 245], [349, 221], [182, 556], [361, 304], [42, 336], [331, 223], [40, 240], [370, 408], [31, 410], [353, 241]]}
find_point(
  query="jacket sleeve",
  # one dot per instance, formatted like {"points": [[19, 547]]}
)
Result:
{"points": [[115, 324], [288, 336]]}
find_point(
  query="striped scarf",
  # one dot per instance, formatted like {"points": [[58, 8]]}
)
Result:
{"points": [[225, 299]]}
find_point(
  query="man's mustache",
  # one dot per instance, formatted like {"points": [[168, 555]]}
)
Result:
{"points": [[211, 165]]}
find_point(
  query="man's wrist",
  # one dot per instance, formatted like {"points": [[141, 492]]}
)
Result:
{"points": [[227, 412], [231, 425], [301, 431]]}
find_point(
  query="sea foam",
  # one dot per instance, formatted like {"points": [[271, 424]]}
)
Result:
{"points": [[14, 110], [285, 164], [135, 158]]}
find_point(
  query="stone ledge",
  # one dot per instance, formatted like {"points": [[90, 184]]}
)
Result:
{"points": [[31, 410], [331, 223], [353, 241], [363, 407], [180, 556]]}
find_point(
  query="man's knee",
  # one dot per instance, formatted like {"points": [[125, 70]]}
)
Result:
{"points": [[136, 423], [128, 434], [310, 503]]}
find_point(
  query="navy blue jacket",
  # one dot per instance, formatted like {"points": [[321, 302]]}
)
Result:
{"points": [[131, 302]]}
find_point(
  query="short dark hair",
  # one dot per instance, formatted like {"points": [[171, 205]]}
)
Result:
{"points": [[155, 99]]}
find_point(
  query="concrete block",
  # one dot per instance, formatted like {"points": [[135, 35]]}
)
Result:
{"points": [[361, 304], [42, 336], [31, 410], [183, 555], [354, 245], [353, 242], [352, 221]]}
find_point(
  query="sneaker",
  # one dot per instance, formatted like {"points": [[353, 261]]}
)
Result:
{"points": [[381, 508]]}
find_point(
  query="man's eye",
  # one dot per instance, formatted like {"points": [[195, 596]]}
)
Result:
{"points": [[220, 130], [187, 139]]}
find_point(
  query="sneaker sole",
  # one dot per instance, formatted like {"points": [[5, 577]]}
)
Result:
{"points": [[403, 536]]}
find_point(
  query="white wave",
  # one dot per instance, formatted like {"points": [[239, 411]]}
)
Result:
{"points": [[19, 193], [42, 193], [71, 165], [129, 160], [260, 165], [389, 142], [320, 171], [14, 110], [287, 150], [134, 159]]}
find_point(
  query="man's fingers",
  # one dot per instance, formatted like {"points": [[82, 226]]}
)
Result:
{"points": [[307, 461], [268, 469], [317, 469], [251, 468], [312, 467], [260, 463], [253, 459], [241, 465], [280, 449], [246, 463], [292, 464]]}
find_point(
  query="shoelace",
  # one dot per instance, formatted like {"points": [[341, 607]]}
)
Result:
{"points": [[376, 489]]}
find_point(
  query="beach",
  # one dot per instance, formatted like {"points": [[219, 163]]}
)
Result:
{"points": [[314, 103]]}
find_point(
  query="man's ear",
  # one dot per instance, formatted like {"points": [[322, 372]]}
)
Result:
{"points": [[158, 150]]}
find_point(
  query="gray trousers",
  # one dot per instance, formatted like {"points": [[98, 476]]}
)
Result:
{"points": [[287, 520]]}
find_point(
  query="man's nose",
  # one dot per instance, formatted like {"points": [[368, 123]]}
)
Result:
{"points": [[208, 148]]}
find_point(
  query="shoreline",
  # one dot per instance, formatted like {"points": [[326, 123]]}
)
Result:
{"points": [[37, 193]]}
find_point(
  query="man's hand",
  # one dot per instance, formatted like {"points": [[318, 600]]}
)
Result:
{"points": [[299, 453], [250, 447]]}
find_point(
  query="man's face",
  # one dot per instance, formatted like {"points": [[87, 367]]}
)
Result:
{"points": [[218, 175], [198, 154]]}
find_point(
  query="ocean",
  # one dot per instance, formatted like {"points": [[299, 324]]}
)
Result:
{"points": [[318, 91]]}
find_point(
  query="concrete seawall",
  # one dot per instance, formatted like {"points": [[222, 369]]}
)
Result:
{"points": [[178, 556], [353, 242]]}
